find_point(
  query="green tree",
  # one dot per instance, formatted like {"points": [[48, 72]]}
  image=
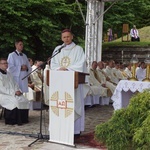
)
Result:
{"points": [[38, 23], [127, 11]]}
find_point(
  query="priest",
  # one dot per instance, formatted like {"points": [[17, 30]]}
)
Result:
{"points": [[70, 57], [11, 98]]}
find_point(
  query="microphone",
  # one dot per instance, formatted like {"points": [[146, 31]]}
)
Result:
{"points": [[57, 51], [63, 45]]}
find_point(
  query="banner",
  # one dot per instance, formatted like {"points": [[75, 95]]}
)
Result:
{"points": [[61, 105]]}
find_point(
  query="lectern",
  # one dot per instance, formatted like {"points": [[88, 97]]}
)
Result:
{"points": [[79, 78], [66, 105]]}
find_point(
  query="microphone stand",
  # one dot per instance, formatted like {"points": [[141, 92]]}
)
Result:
{"points": [[40, 135]]}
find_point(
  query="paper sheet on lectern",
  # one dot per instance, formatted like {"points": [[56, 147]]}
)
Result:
{"points": [[61, 125]]}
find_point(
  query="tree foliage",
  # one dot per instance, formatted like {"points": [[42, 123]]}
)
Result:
{"points": [[39, 22], [129, 12]]}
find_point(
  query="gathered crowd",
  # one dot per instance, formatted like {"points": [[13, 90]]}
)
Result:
{"points": [[105, 75], [24, 82]]}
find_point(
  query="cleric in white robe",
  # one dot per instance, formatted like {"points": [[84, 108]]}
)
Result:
{"points": [[103, 78], [93, 80], [141, 72], [37, 75], [127, 71], [118, 74], [19, 66], [109, 72], [71, 57], [10, 95]]}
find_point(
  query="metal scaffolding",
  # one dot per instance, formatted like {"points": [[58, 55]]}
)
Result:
{"points": [[94, 29]]}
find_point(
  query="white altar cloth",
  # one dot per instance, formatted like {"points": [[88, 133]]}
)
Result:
{"points": [[124, 90]]}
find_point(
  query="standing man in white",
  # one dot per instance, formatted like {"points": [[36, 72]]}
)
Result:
{"points": [[72, 58], [19, 66]]}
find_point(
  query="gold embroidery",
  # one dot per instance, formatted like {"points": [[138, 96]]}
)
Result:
{"points": [[68, 110], [65, 61]]}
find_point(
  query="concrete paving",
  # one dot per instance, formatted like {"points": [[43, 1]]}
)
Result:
{"points": [[14, 137]]}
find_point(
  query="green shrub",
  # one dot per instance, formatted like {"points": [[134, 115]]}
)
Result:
{"points": [[141, 138], [129, 127]]}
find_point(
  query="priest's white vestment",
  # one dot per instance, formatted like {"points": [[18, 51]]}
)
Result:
{"points": [[108, 84], [36, 79], [109, 72], [8, 99], [94, 82], [118, 74], [15, 61], [141, 74], [72, 57], [128, 72]]}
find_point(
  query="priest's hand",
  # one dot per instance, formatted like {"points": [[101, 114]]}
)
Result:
{"points": [[63, 69], [24, 68], [31, 85], [18, 93], [103, 85], [107, 78]]}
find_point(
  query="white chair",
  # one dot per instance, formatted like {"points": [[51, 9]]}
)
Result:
{"points": [[35, 99]]}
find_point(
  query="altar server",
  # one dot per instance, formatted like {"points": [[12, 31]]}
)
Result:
{"points": [[19, 66]]}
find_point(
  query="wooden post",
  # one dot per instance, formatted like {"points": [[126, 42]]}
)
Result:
{"points": [[125, 32]]}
